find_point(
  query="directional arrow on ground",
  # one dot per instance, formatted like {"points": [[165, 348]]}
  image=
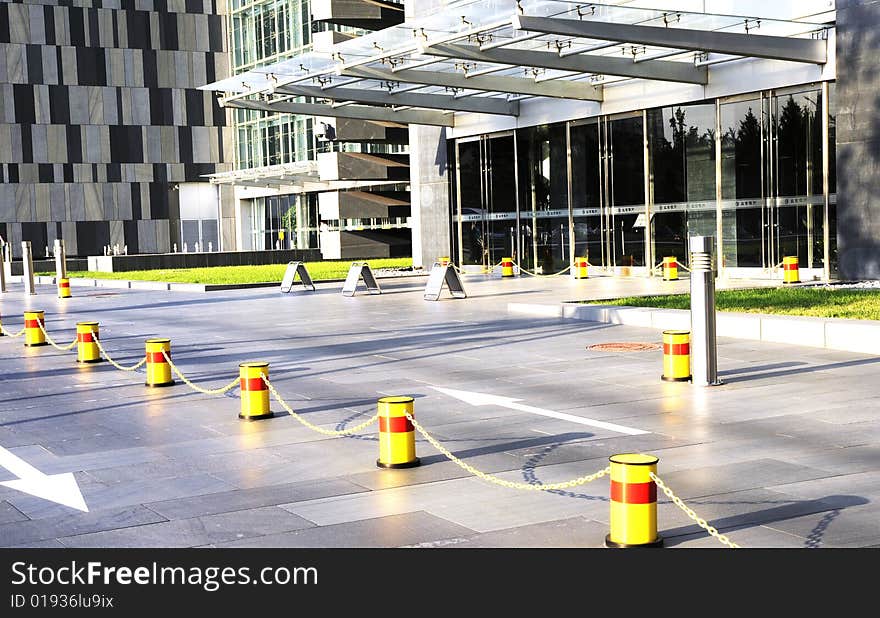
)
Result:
{"points": [[482, 399], [60, 488]]}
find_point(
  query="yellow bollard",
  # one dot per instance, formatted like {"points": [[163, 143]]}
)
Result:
{"points": [[158, 369], [443, 261], [64, 288], [33, 334], [87, 333], [580, 268], [507, 267], [397, 439], [670, 269], [790, 273], [254, 391], [676, 356], [633, 502]]}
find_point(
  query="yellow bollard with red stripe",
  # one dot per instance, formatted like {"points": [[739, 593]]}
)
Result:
{"points": [[443, 261], [158, 369], [507, 267], [633, 502], [33, 334], [87, 333], [676, 356], [64, 288], [580, 268], [254, 391], [670, 269], [397, 439], [790, 272]]}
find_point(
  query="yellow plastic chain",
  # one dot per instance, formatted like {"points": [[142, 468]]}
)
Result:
{"points": [[524, 271], [690, 513], [114, 363], [321, 430], [494, 479], [195, 387], [9, 334], [52, 343]]}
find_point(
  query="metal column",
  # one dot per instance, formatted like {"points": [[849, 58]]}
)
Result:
{"points": [[60, 259], [27, 261], [704, 358]]}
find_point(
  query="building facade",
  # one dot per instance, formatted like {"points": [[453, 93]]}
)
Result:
{"points": [[105, 138]]}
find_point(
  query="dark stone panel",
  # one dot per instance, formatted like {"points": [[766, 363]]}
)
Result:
{"points": [[195, 107], [60, 64], [115, 29], [37, 234], [27, 144], [184, 137], [59, 105], [46, 172], [138, 26], [219, 114], [92, 237], [94, 32], [210, 70], [34, 63], [12, 173], [120, 118], [160, 5], [95, 172], [74, 144], [159, 206], [151, 69], [136, 212], [130, 233], [215, 33], [195, 6], [161, 107], [4, 24], [193, 172], [160, 172], [77, 26], [126, 144], [23, 95], [91, 68], [168, 31], [114, 172], [49, 22], [67, 169]]}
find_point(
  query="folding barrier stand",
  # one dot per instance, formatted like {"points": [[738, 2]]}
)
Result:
{"points": [[358, 271], [294, 269], [441, 274]]}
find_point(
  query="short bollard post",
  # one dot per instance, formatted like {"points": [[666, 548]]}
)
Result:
{"points": [[443, 260], [676, 356], [670, 269], [507, 267], [158, 369], [254, 391], [33, 334], [397, 438], [790, 272], [633, 502], [580, 270], [64, 288], [87, 334]]}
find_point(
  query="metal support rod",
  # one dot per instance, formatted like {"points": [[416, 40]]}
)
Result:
{"points": [[2, 267], [704, 356], [27, 261], [60, 259]]}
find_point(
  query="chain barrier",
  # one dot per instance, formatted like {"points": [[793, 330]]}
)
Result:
{"points": [[13, 335], [702, 523], [114, 363], [195, 387], [487, 270], [497, 481], [52, 343], [321, 430], [682, 266], [531, 274]]}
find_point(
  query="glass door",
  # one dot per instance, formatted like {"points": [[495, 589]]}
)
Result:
{"points": [[623, 148]]}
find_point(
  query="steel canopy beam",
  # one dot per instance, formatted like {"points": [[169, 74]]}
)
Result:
{"points": [[755, 45], [481, 105], [562, 89], [357, 112], [663, 70]]}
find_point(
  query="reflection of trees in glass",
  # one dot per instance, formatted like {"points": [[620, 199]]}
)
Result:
{"points": [[670, 158], [745, 141]]}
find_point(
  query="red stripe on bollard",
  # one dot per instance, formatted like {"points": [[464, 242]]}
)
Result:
{"points": [[88, 338], [676, 349], [157, 357], [253, 384], [633, 493], [395, 424], [33, 323]]}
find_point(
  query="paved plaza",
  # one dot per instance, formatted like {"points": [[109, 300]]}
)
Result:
{"points": [[785, 454]]}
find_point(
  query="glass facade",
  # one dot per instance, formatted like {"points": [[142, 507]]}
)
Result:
{"points": [[755, 171], [282, 222]]}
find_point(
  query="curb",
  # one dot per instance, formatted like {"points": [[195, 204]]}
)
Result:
{"points": [[831, 333]]}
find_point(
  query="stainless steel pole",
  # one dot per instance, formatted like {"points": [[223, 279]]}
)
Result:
{"points": [[704, 357], [60, 259], [2, 266], [27, 261]]}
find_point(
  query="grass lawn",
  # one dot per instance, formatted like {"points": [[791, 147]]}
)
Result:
{"points": [[810, 301], [272, 273]]}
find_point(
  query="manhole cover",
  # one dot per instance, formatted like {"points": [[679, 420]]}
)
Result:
{"points": [[623, 346]]}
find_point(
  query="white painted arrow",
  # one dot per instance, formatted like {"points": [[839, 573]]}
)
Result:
{"points": [[60, 488], [482, 399]]}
